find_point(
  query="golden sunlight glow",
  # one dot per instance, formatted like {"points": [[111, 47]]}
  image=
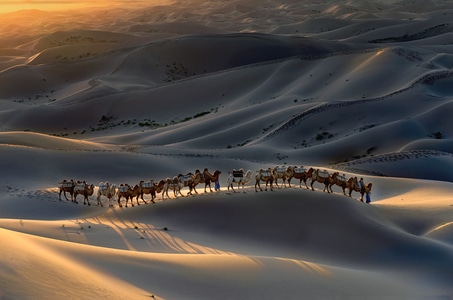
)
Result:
{"points": [[54, 5]]}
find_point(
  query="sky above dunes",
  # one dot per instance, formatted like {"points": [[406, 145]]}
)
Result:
{"points": [[15, 5]]}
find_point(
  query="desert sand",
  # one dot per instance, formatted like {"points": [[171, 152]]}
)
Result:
{"points": [[136, 92]]}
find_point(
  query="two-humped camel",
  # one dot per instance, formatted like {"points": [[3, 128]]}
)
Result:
{"points": [[321, 176], [238, 176], [358, 186], [300, 173], [279, 172], [82, 188], [338, 179], [67, 187], [173, 184], [151, 188], [208, 178], [191, 180], [265, 176], [107, 190], [128, 192]]}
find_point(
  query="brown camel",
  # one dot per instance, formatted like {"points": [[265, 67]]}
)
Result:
{"points": [[298, 173], [150, 188], [321, 176], [337, 179], [266, 176], [279, 172], [191, 180], [82, 188], [208, 178], [67, 187], [353, 186], [123, 191], [132, 192], [147, 187]]}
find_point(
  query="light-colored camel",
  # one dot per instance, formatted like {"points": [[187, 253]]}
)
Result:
{"points": [[240, 178], [321, 176], [265, 176], [191, 180], [353, 186], [208, 178], [107, 190], [67, 187], [337, 179], [300, 173], [173, 184], [279, 172], [82, 188]]}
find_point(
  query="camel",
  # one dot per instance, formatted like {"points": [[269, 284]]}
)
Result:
{"points": [[240, 178], [147, 187], [123, 191], [191, 180], [298, 173], [279, 172], [107, 190], [266, 176], [134, 191], [82, 188], [321, 176], [67, 186], [208, 178], [337, 179], [150, 188], [351, 184], [174, 184]]}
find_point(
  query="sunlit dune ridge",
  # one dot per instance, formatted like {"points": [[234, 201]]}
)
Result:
{"points": [[11, 6]]}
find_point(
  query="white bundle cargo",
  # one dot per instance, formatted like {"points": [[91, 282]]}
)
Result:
{"points": [[147, 184]]}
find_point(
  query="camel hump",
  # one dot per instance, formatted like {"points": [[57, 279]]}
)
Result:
{"points": [[103, 186], [341, 177], [299, 170], [265, 173], [323, 173], [280, 169], [67, 184], [123, 188], [147, 184]]}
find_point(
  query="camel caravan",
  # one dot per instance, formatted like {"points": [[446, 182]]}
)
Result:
{"points": [[268, 177], [110, 191]]}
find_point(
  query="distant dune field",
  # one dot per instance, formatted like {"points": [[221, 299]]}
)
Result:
{"points": [[121, 94]]}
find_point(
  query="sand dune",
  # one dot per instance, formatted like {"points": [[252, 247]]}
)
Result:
{"points": [[136, 92]]}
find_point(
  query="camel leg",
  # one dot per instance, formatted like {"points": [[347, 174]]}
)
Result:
{"points": [[143, 199], [59, 195], [257, 183]]}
